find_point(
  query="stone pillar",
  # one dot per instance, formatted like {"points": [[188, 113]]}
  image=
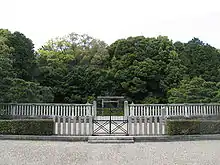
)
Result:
{"points": [[94, 107], [126, 108]]}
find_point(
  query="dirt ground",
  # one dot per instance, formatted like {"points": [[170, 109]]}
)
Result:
{"points": [[82, 153]]}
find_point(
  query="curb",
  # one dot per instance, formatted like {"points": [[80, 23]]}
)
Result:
{"points": [[164, 138], [167, 138], [45, 138]]}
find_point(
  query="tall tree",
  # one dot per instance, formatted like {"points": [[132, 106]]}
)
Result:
{"points": [[70, 64], [24, 62], [145, 68], [200, 59]]}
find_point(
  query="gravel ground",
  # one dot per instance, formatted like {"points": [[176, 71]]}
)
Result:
{"points": [[82, 153]]}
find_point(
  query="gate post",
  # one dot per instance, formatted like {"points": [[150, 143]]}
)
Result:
{"points": [[94, 107], [126, 108]]}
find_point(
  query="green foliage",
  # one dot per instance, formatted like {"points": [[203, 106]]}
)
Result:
{"points": [[78, 68], [196, 90], [201, 59], [27, 127], [145, 67], [74, 67], [23, 57], [28, 92], [191, 127]]}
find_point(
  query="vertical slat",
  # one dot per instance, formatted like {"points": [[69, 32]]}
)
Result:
{"points": [[153, 109], [85, 125], [58, 110], [24, 112], [160, 125], [84, 110], [175, 114], [68, 109], [69, 126], [129, 126], [135, 125], [150, 110], [18, 110], [140, 126], [64, 110], [132, 110], [77, 111], [30, 110], [10, 109], [41, 110], [59, 126], [147, 111], [74, 125], [54, 110], [21, 108], [150, 125], [64, 125], [145, 125], [81, 114], [71, 111], [196, 110], [90, 125], [155, 125], [79, 124], [214, 109], [34, 110]]}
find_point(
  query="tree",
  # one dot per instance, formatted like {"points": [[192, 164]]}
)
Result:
{"points": [[6, 69], [145, 68], [195, 90], [200, 59], [28, 92], [23, 56], [70, 65]]}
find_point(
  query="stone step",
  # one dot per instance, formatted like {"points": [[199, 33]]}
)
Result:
{"points": [[110, 139]]}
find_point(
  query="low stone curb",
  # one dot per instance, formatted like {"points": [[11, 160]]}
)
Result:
{"points": [[167, 138], [164, 138], [44, 138]]}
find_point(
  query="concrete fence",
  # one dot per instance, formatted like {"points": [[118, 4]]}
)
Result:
{"points": [[84, 126], [41, 109], [148, 110], [146, 126], [73, 126], [171, 109]]}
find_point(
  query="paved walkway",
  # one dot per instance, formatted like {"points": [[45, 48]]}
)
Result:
{"points": [[82, 153]]}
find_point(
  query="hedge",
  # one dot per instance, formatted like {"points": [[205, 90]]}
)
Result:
{"points": [[27, 127], [192, 127]]}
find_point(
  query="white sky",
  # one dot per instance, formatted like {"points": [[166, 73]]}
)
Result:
{"points": [[109, 20]]}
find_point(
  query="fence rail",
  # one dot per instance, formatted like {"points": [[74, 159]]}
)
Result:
{"points": [[48, 109], [173, 109], [91, 109]]}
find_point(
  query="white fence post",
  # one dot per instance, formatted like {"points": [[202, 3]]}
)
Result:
{"points": [[94, 107], [186, 110], [126, 108]]}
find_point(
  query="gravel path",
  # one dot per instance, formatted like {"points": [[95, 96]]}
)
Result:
{"points": [[81, 153]]}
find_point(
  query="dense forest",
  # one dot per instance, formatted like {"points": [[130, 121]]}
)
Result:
{"points": [[78, 68]]}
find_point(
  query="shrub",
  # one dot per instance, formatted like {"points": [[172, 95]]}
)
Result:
{"points": [[27, 127], [191, 127]]}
